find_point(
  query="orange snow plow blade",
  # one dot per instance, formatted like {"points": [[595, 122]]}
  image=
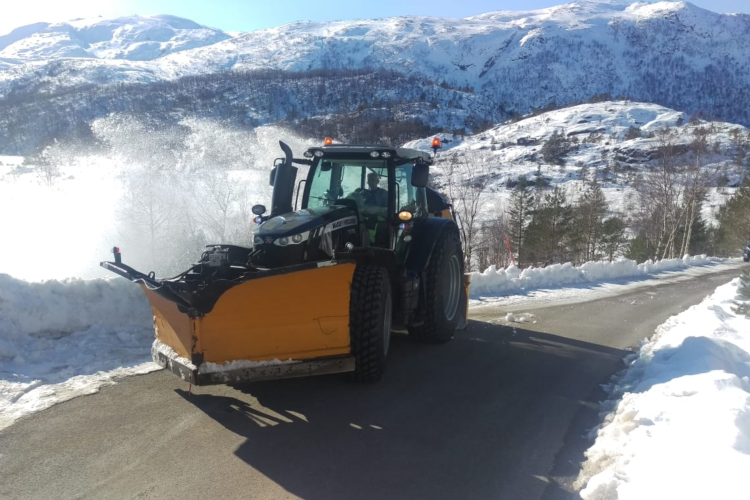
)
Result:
{"points": [[280, 326]]}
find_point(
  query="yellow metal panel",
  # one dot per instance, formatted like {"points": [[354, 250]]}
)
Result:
{"points": [[304, 314], [172, 327], [445, 214]]}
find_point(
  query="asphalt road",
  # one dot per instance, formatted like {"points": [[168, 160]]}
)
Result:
{"points": [[500, 412]]}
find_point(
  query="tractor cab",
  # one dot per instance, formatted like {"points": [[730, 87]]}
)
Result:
{"points": [[378, 184], [353, 197]]}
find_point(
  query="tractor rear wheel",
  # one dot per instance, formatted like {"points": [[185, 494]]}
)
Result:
{"points": [[443, 282], [370, 312]]}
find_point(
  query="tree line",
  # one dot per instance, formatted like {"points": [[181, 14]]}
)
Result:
{"points": [[368, 105], [541, 224]]}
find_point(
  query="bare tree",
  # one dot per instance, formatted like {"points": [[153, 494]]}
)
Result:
{"points": [[697, 181], [147, 211], [466, 179], [46, 165], [491, 248], [660, 193], [591, 209], [216, 196]]}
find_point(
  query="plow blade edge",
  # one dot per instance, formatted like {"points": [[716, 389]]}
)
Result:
{"points": [[280, 326]]}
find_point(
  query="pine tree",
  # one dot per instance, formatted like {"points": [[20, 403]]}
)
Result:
{"points": [[520, 215], [743, 293], [548, 231], [734, 221], [555, 148], [612, 237]]}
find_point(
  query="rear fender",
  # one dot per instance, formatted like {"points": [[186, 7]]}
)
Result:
{"points": [[425, 234]]}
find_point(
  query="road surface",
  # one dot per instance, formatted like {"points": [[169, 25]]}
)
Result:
{"points": [[500, 412]]}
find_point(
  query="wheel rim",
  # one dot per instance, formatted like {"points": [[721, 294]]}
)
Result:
{"points": [[387, 324], [452, 288]]}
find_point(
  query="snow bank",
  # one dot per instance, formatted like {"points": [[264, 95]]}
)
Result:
{"points": [[62, 339], [681, 426], [493, 281]]}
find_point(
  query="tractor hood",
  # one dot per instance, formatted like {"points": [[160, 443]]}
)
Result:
{"points": [[305, 220]]}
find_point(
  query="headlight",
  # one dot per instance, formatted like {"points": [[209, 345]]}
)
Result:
{"points": [[258, 240], [294, 239], [374, 154]]}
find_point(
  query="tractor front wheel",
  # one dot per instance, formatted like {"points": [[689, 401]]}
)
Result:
{"points": [[442, 291], [370, 312]]}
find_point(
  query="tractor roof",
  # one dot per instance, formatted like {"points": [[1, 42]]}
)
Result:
{"points": [[344, 149]]}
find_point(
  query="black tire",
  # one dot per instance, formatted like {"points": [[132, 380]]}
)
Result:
{"points": [[370, 314], [443, 278]]}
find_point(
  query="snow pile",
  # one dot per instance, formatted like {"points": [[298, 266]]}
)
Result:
{"points": [[682, 426], [494, 281], [209, 367], [62, 339]]}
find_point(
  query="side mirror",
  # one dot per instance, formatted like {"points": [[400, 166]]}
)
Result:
{"points": [[420, 175], [258, 209], [272, 178]]}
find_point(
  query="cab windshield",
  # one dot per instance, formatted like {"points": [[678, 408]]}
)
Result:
{"points": [[365, 181]]}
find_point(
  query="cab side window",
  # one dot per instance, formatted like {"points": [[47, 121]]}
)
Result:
{"points": [[405, 191]]}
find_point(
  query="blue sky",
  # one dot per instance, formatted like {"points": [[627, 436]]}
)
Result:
{"points": [[247, 15]]}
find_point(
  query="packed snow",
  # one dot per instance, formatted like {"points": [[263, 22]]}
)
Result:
{"points": [[243, 364], [209, 367], [678, 421], [171, 354], [62, 339], [495, 282]]}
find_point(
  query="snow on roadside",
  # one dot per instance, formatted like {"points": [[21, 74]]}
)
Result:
{"points": [[62, 339], [679, 417], [494, 282]]}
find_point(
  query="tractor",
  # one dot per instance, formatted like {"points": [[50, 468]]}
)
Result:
{"points": [[370, 250]]}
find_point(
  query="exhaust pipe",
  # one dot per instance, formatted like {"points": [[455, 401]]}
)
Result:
{"points": [[283, 184]]}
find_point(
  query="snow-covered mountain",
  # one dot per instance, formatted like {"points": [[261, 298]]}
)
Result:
{"points": [[615, 141], [671, 53], [134, 38]]}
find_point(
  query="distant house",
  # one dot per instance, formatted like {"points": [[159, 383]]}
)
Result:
{"points": [[526, 141]]}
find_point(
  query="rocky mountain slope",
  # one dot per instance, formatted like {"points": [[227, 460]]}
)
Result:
{"points": [[671, 53]]}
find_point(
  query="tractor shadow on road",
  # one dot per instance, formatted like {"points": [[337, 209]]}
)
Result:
{"points": [[496, 413]]}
